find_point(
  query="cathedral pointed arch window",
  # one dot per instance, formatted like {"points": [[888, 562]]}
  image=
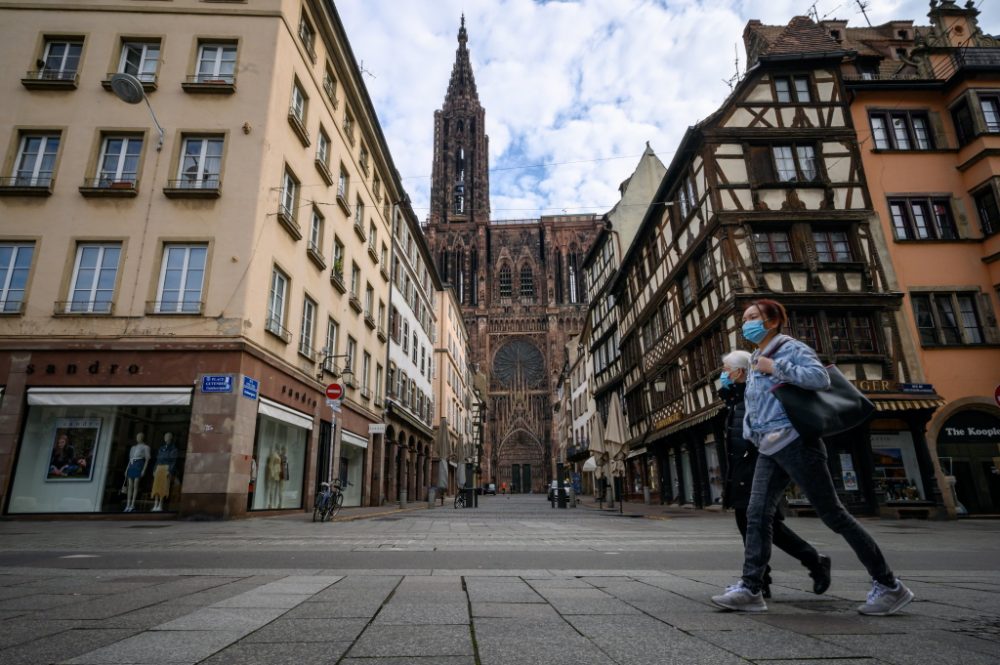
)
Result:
{"points": [[527, 284], [506, 282], [460, 181], [574, 294]]}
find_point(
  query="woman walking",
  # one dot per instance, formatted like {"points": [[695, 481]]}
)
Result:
{"points": [[741, 456], [785, 456]]}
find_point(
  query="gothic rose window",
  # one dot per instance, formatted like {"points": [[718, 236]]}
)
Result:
{"points": [[518, 362]]}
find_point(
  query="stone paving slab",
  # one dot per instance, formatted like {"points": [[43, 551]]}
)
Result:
{"points": [[242, 619], [182, 647], [433, 660], [54, 648], [912, 649], [514, 610], [399, 641], [765, 642], [529, 641], [280, 653], [309, 630], [416, 613]]}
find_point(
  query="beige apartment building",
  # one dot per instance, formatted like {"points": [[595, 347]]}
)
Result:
{"points": [[453, 392], [172, 316]]}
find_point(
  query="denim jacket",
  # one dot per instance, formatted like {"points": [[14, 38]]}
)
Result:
{"points": [[795, 363]]}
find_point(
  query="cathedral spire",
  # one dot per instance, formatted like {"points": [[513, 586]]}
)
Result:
{"points": [[462, 83]]}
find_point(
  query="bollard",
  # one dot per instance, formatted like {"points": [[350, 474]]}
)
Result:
{"points": [[431, 491], [402, 497]]}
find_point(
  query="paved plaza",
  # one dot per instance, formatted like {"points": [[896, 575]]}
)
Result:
{"points": [[513, 581]]}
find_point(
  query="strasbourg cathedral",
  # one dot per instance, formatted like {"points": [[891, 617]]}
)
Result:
{"points": [[519, 282]]}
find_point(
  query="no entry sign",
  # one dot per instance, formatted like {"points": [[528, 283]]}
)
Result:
{"points": [[335, 391]]}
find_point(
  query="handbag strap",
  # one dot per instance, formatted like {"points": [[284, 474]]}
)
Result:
{"points": [[780, 343]]}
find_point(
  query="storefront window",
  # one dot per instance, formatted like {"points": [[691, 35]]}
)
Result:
{"points": [[673, 485], [714, 472], [280, 452], [896, 472], [688, 477], [100, 458], [352, 463], [635, 471], [654, 473]]}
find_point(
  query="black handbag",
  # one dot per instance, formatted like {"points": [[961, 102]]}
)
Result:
{"points": [[818, 413]]}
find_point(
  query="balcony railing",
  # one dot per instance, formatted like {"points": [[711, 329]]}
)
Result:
{"points": [[299, 128], [286, 216], [51, 79], [191, 308], [26, 185], [315, 255], [148, 81], [119, 186], [211, 83], [307, 351], [359, 230], [208, 187], [355, 303], [274, 327], [84, 307], [337, 279]]}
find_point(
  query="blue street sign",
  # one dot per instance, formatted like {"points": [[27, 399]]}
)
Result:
{"points": [[217, 383], [251, 388], [917, 388]]}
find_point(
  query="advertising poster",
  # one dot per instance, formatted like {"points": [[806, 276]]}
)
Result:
{"points": [[74, 444], [847, 468]]}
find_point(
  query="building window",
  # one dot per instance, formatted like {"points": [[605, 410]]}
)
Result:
{"points": [[201, 163], [343, 182], [352, 350], [366, 365], [216, 62], [348, 127], [298, 107], [506, 282], [406, 336], [308, 328], [901, 130], [276, 302], [704, 270], [989, 211], [372, 236], [832, 246], [35, 161], [15, 263], [61, 59], [687, 294], [369, 301], [805, 329], [338, 257], [307, 36], [323, 148], [947, 318], [94, 274], [330, 86], [140, 59], [851, 333], [330, 348], [181, 279], [527, 282], [413, 348], [363, 158], [795, 163], [289, 195], [378, 382], [922, 219], [990, 106], [792, 89], [316, 231], [773, 247], [355, 280], [965, 127], [119, 160], [359, 213]]}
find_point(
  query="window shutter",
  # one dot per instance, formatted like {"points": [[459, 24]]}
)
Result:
{"points": [[990, 332], [761, 164], [941, 141], [962, 222]]}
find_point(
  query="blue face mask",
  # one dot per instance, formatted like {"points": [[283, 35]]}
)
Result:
{"points": [[725, 380], [754, 331]]}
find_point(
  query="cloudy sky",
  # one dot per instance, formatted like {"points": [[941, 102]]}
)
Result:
{"points": [[573, 89]]}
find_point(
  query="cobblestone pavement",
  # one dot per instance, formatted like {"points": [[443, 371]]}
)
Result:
{"points": [[512, 582]]}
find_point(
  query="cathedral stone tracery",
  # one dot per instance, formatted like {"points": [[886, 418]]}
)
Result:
{"points": [[518, 282]]}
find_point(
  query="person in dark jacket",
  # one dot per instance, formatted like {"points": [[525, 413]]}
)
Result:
{"points": [[741, 456]]}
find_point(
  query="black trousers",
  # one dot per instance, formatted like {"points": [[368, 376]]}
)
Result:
{"points": [[784, 539]]}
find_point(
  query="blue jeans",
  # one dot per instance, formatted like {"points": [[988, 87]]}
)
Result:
{"points": [[804, 462]]}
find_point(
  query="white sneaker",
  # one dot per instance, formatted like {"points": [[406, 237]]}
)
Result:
{"points": [[740, 599], [884, 600]]}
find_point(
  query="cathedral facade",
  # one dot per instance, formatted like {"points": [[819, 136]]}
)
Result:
{"points": [[519, 282]]}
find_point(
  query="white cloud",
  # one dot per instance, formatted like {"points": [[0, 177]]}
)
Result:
{"points": [[570, 81]]}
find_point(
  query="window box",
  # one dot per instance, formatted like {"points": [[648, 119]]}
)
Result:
{"points": [[360, 231], [381, 333], [174, 308], [337, 279], [81, 308], [324, 171], [207, 188], [342, 202], [287, 219], [274, 327], [49, 79], [370, 321], [372, 253], [26, 186], [385, 272], [355, 303], [315, 255], [224, 84], [148, 82], [102, 187], [299, 129]]}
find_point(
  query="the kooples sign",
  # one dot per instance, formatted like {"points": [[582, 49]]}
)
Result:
{"points": [[971, 427], [94, 369]]}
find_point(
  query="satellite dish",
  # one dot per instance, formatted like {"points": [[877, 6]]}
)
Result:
{"points": [[127, 88]]}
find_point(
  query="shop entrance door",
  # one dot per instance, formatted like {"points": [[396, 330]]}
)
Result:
{"points": [[965, 486], [515, 478], [324, 457], [526, 478]]}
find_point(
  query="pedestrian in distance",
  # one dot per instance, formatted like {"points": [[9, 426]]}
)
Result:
{"points": [[785, 456], [741, 458]]}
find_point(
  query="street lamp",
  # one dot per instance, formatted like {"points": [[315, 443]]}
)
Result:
{"points": [[129, 89], [346, 371]]}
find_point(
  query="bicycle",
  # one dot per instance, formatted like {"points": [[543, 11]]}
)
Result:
{"points": [[329, 501], [460, 499]]}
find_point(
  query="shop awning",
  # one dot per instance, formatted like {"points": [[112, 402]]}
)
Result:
{"points": [[285, 414], [907, 404], [350, 438], [686, 423], [109, 396], [636, 452], [590, 465]]}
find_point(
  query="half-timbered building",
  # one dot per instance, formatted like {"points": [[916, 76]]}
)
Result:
{"points": [[764, 198]]}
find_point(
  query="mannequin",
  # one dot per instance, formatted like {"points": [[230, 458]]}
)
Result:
{"points": [[138, 460], [166, 463], [274, 479]]}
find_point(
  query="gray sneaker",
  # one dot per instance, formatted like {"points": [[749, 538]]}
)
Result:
{"points": [[884, 600], [740, 599]]}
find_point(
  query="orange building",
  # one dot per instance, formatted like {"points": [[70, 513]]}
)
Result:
{"points": [[925, 101]]}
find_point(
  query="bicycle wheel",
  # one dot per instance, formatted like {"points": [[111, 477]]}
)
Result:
{"points": [[460, 500], [337, 504], [318, 509]]}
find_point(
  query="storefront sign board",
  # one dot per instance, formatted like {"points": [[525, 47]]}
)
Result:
{"points": [[377, 428], [251, 388], [970, 426], [217, 383]]}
